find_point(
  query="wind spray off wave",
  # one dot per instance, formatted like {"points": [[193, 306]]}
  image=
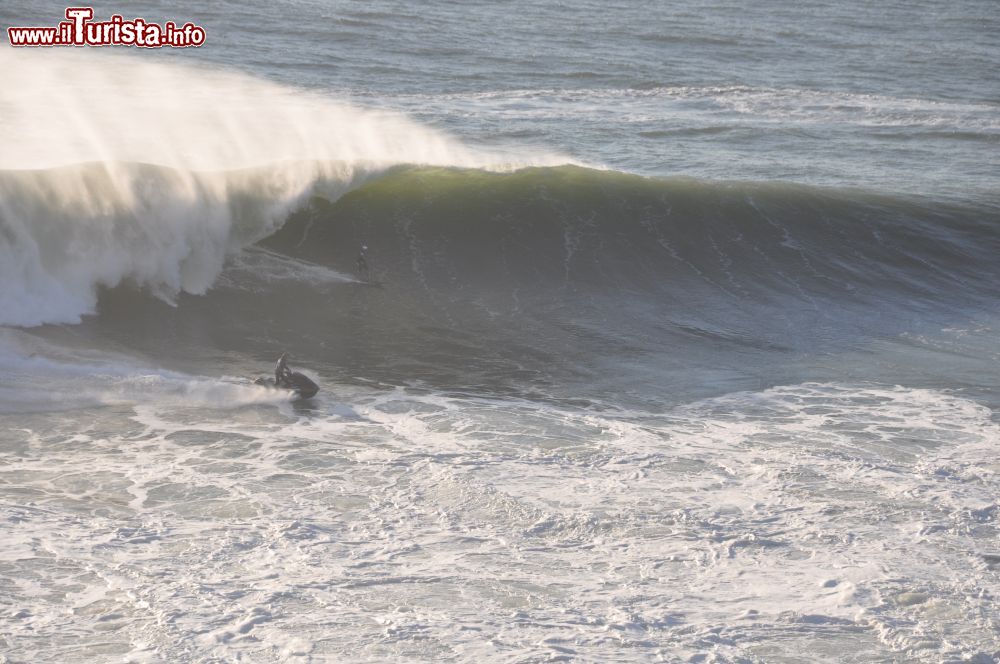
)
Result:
{"points": [[125, 170]]}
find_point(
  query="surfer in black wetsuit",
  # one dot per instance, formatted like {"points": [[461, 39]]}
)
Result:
{"points": [[364, 271]]}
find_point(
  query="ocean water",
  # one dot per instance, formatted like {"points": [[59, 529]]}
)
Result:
{"points": [[679, 342]]}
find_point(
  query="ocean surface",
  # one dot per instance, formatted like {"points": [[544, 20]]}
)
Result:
{"points": [[679, 341]]}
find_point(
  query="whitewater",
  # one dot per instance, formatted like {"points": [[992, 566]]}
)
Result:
{"points": [[679, 341]]}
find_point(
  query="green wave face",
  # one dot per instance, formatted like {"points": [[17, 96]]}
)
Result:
{"points": [[605, 231]]}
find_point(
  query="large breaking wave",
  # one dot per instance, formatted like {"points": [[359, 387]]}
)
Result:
{"points": [[158, 178], [128, 170], [541, 276]]}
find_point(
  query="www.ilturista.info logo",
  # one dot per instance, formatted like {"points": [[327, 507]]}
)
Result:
{"points": [[80, 30]]}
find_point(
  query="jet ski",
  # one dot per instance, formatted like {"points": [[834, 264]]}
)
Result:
{"points": [[285, 379]]}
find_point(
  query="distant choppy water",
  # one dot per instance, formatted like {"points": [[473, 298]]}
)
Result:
{"points": [[896, 96], [683, 346]]}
